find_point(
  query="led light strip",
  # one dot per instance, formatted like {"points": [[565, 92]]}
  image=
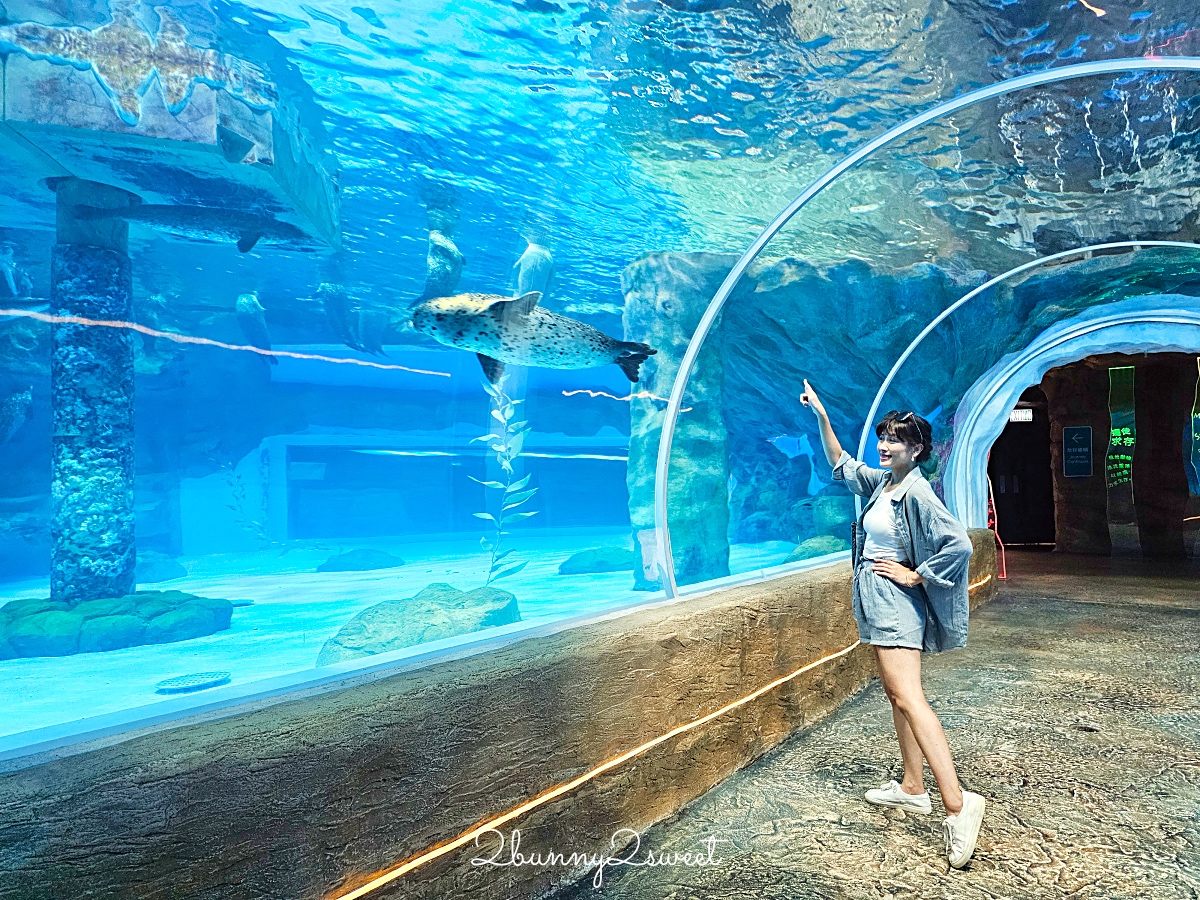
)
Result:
{"points": [[980, 583], [553, 793], [206, 342], [640, 395], [526, 453]]}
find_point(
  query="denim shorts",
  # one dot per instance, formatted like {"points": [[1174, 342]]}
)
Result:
{"points": [[887, 614]]}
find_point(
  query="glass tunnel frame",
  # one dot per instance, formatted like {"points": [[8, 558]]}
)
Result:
{"points": [[665, 561]]}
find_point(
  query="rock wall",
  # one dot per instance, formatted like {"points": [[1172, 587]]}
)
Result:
{"points": [[1078, 395], [1164, 391], [843, 327]]}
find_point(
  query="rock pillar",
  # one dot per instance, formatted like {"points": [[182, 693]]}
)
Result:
{"points": [[93, 553], [1165, 389], [1077, 394], [665, 296]]}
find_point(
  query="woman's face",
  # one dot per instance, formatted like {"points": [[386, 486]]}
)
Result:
{"points": [[896, 455]]}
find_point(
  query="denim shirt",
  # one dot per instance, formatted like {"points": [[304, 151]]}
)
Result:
{"points": [[937, 543]]}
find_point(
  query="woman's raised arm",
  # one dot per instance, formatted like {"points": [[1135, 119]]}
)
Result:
{"points": [[829, 441]]}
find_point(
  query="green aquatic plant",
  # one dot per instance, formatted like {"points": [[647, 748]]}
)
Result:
{"points": [[506, 440]]}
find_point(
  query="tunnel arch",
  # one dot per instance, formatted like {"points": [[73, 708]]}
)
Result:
{"points": [[708, 319], [1154, 323]]}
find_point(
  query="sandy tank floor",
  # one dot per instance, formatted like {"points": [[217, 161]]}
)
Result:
{"points": [[295, 609]]}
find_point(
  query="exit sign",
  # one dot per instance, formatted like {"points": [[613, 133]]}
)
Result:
{"points": [[1077, 451], [1021, 415]]}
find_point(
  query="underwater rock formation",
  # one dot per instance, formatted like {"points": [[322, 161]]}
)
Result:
{"points": [[360, 561], [599, 559], [789, 320], [91, 387], [1047, 168], [817, 546], [665, 296], [41, 627], [439, 611], [1089, 175]]}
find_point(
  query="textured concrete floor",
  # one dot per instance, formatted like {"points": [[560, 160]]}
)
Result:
{"points": [[1074, 709]]}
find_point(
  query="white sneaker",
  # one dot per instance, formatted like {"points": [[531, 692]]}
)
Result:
{"points": [[960, 831], [890, 795]]}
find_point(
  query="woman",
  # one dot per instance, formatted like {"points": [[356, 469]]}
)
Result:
{"points": [[910, 595]]}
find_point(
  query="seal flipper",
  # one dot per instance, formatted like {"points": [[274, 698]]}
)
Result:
{"points": [[632, 355], [493, 369], [247, 241], [518, 308]]}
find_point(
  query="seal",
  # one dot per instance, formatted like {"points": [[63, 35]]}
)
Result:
{"points": [[252, 318], [533, 270], [516, 330], [16, 279]]}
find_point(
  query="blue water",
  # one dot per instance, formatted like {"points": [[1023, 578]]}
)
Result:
{"points": [[642, 146]]}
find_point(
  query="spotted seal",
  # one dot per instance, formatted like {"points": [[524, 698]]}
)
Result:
{"points": [[516, 330]]}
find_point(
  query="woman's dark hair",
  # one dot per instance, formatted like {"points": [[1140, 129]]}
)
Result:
{"points": [[908, 428]]}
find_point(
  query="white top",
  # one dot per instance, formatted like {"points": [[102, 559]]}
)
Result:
{"points": [[883, 534]]}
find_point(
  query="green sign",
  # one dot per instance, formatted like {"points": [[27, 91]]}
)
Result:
{"points": [[1122, 436], [1077, 451]]}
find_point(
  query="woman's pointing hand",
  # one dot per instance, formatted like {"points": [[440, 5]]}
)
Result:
{"points": [[810, 398]]}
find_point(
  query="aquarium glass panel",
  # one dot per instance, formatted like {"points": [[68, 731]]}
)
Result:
{"points": [[332, 334]]}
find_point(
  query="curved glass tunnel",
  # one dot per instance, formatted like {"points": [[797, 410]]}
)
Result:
{"points": [[1005, 226]]}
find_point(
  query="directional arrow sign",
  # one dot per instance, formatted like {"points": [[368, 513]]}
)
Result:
{"points": [[1077, 451]]}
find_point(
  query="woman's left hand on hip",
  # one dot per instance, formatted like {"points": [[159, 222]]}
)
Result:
{"points": [[897, 572]]}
